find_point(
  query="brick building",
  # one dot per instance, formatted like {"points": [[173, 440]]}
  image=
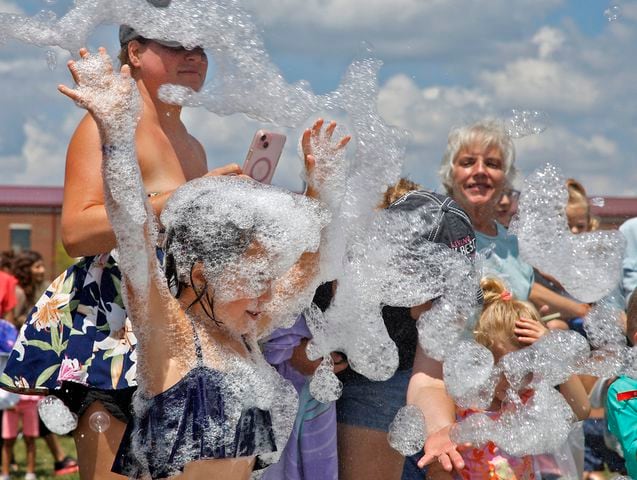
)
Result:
{"points": [[30, 219], [613, 211]]}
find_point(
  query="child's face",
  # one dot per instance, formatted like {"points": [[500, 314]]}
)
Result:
{"points": [[499, 351], [578, 217]]}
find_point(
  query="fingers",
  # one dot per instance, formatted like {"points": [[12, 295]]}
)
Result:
{"points": [[330, 130], [306, 142], [316, 128], [69, 92], [230, 169], [456, 460], [344, 141], [426, 459], [106, 59], [72, 66]]}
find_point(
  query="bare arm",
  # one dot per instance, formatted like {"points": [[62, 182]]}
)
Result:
{"points": [[300, 279], [427, 391], [575, 394], [540, 295]]}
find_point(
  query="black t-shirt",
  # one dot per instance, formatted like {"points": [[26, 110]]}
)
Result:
{"points": [[400, 327]]}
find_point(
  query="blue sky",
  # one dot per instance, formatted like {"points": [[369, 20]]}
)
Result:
{"points": [[446, 62]]}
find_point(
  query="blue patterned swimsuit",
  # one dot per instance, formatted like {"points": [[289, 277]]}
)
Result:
{"points": [[203, 416], [78, 332]]}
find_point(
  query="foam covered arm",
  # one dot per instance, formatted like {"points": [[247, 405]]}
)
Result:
{"points": [[113, 102]]}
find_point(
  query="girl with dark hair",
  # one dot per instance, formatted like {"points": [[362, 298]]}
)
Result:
{"points": [[89, 358], [239, 256], [29, 269]]}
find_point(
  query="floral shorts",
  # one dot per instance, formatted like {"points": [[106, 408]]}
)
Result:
{"points": [[78, 332]]}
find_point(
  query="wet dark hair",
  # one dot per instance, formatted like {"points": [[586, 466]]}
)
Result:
{"points": [[123, 57], [6, 259], [185, 247], [21, 268]]}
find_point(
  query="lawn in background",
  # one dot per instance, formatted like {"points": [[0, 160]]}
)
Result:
{"points": [[43, 459]]}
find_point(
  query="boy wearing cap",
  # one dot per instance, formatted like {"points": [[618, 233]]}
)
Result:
{"points": [[621, 402], [366, 408]]}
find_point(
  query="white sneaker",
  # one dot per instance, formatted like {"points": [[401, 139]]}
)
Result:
{"points": [[30, 476]]}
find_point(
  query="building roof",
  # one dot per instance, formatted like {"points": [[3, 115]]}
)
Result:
{"points": [[25, 196], [616, 207]]}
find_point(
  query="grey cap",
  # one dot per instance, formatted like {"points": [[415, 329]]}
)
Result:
{"points": [[127, 33]]}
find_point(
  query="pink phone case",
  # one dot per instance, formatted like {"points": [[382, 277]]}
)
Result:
{"points": [[263, 156]]}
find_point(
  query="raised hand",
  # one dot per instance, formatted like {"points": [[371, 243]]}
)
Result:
{"points": [[321, 156], [529, 331], [111, 98]]}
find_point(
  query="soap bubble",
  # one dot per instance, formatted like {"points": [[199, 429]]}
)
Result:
{"points": [[56, 415], [51, 59], [407, 432], [612, 13], [8, 399], [469, 375], [99, 421], [546, 242], [523, 123], [598, 202], [325, 385]]}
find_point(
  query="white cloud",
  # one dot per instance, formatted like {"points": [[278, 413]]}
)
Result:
{"points": [[42, 156], [544, 84], [7, 6], [548, 41]]}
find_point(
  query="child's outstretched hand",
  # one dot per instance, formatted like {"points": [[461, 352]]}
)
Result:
{"points": [[318, 148], [529, 331], [111, 98]]}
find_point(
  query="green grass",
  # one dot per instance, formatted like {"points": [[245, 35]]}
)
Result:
{"points": [[43, 459]]}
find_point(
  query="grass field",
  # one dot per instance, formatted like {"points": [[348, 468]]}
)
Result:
{"points": [[44, 460]]}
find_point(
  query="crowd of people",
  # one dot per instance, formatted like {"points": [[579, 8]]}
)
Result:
{"points": [[151, 335], [22, 282]]}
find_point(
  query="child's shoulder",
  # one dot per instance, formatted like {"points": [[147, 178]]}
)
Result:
{"points": [[622, 382], [622, 389]]}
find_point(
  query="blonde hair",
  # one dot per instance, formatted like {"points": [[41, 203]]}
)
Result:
{"points": [[577, 196], [488, 131], [399, 189], [499, 313]]}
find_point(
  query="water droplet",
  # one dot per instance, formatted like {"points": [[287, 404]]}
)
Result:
{"points": [[523, 123], [598, 201], [99, 422], [612, 13], [51, 59]]}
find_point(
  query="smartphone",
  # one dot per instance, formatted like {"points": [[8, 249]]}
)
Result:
{"points": [[263, 156]]}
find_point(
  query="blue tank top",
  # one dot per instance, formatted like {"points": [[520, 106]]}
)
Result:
{"points": [[195, 419]]}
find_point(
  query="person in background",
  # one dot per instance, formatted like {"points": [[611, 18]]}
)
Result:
{"points": [[507, 206], [7, 288], [26, 411], [621, 401], [366, 408], [311, 451], [87, 297], [478, 164], [28, 268], [629, 264], [507, 325]]}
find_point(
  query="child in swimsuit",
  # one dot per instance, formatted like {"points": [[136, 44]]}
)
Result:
{"points": [[237, 255]]}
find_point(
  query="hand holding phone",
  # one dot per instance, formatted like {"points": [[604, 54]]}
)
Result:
{"points": [[263, 156]]}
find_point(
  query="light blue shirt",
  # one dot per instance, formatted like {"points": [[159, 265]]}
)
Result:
{"points": [[629, 265], [503, 261]]}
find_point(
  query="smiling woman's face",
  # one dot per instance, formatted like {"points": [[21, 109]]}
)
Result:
{"points": [[478, 176], [160, 64]]}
